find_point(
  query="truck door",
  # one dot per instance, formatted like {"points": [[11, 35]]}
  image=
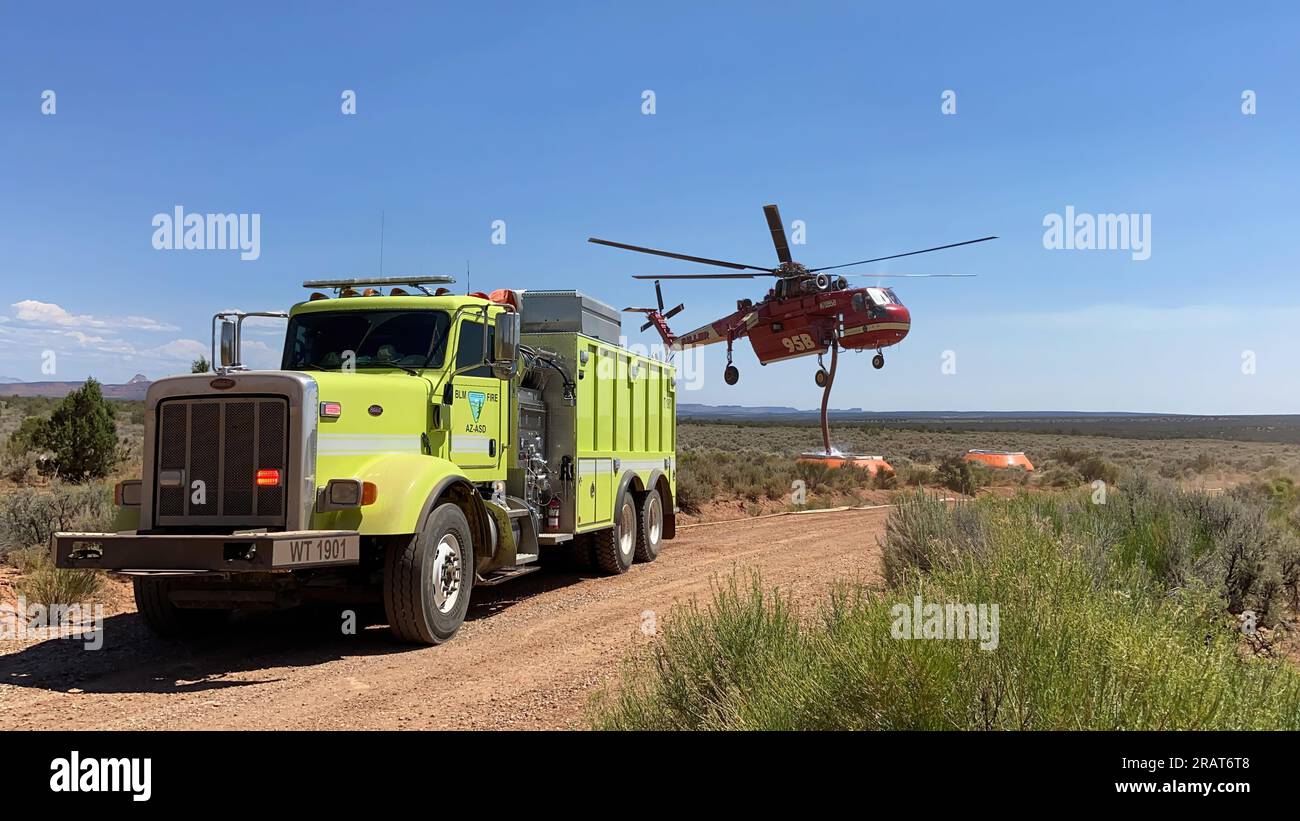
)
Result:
{"points": [[479, 423]]}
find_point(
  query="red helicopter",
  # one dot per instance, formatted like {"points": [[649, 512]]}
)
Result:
{"points": [[804, 313]]}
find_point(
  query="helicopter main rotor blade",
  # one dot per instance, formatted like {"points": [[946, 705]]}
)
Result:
{"points": [[704, 260], [702, 276], [910, 275], [896, 256], [775, 225]]}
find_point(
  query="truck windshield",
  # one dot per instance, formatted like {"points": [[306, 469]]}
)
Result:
{"points": [[369, 339]]}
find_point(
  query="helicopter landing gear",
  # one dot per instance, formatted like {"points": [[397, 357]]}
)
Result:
{"points": [[821, 377], [878, 361], [732, 374]]}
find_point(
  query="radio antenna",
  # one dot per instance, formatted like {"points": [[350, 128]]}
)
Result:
{"points": [[381, 243]]}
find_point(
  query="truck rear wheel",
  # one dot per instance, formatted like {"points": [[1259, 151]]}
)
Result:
{"points": [[650, 528], [428, 579], [153, 602], [616, 546]]}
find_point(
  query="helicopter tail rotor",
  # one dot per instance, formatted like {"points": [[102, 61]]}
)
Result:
{"points": [[657, 317]]}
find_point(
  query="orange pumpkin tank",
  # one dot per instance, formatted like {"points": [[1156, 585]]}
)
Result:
{"points": [[1000, 458], [871, 464]]}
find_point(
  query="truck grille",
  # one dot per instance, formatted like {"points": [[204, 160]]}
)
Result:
{"points": [[223, 443]]}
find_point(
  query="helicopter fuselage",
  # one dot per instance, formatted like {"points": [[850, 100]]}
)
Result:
{"points": [[807, 319]]}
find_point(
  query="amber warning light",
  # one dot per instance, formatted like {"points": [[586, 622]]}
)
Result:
{"points": [[268, 477]]}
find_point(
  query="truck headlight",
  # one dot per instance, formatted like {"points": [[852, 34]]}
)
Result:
{"points": [[345, 494], [127, 493]]}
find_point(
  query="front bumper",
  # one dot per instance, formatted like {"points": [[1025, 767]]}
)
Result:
{"points": [[246, 552]]}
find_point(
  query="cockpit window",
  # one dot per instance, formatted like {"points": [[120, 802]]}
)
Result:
{"points": [[329, 340], [880, 296]]}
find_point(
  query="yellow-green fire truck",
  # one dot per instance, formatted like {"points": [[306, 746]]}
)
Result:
{"points": [[413, 445]]}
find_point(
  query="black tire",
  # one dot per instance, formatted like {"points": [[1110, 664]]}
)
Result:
{"points": [[731, 375], [821, 377], [581, 555], [878, 361], [411, 593], [153, 602], [615, 546], [650, 528]]}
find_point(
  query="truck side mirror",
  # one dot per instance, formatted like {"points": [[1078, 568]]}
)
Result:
{"points": [[505, 347], [228, 353]]}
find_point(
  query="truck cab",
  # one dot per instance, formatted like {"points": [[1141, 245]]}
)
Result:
{"points": [[411, 447]]}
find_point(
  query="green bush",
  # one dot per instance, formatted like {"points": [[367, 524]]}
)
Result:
{"points": [[43, 583], [955, 473], [29, 516], [82, 435], [1094, 467], [1058, 476], [1105, 622]]}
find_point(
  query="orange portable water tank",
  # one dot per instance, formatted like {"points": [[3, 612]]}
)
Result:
{"points": [[1000, 458], [871, 464]]}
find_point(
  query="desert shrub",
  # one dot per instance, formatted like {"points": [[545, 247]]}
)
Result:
{"points": [[22, 456], [1069, 456], [1088, 637], [955, 473], [43, 583], [813, 474], [918, 475], [1058, 476], [82, 435], [885, 479], [1094, 467], [29, 516]]}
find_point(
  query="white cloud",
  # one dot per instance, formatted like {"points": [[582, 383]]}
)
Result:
{"points": [[47, 313], [144, 323], [51, 315], [177, 349]]}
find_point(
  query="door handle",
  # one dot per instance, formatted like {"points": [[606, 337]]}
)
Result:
{"points": [[592, 494], [492, 447]]}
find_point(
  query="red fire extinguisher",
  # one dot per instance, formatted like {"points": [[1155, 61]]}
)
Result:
{"points": [[553, 515]]}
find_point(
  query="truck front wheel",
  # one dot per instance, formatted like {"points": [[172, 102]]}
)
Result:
{"points": [[615, 546], [427, 579], [153, 603]]}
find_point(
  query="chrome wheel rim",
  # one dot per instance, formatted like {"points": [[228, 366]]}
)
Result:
{"points": [[446, 573], [627, 529], [655, 519]]}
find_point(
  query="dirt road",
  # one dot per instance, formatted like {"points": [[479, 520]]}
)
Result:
{"points": [[528, 656]]}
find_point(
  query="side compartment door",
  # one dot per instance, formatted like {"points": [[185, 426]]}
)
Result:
{"points": [[478, 407], [595, 492]]}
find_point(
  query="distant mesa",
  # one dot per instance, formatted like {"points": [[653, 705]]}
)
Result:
{"points": [[136, 388]]}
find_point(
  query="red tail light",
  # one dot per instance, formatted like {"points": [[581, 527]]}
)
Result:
{"points": [[268, 477]]}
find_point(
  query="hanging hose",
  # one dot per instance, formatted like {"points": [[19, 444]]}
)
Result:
{"points": [[826, 397]]}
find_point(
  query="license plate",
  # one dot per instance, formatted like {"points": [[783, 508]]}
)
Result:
{"points": [[314, 551]]}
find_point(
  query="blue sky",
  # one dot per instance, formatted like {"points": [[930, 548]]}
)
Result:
{"points": [[467, 114]]}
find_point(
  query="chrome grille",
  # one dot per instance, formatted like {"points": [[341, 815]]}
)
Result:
{"points": [[221, 442]]}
